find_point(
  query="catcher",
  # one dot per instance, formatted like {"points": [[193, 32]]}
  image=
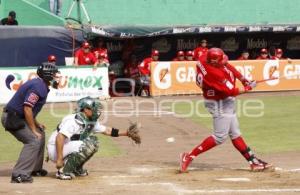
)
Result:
{"points": [[73, 142]]}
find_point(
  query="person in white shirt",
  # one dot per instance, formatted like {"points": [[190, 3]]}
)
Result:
{"points": [[73, 142]]}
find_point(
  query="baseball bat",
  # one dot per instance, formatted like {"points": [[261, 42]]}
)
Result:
{"points": [[274, 78]]}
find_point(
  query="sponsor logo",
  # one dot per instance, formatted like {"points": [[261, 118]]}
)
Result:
{"points": [[99, 31], [278, 28], [205, 29], [114, 47], [230, 44], [293, 43], [258, 43], [162, 45], [254, 28], [217, 29], [230, 29], [13, 81], [185, 45]]}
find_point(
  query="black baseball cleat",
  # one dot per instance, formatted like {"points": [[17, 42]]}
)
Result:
{"points": [[21, 179], [39, 173]]}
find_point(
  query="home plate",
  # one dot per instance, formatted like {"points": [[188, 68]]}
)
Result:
{"points": [[234, 179]]}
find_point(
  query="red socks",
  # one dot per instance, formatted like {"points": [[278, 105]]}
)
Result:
{"points": [[207, 144], [241, 146]]}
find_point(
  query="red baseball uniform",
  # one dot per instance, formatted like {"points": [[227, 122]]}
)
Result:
{"points": [[98, 51], [144, 67], [200, 51], [85, 58], [217, 82]]}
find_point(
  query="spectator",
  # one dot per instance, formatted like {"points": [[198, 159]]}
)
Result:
{"points": [[84, 56], [189, 56], [278, 55], [52, 59], [102, 60], [263, 54], [144, 69], [55, 6], [180, 56], [201, 49], [132, 70], [244, 55], [10, 20], [100, 49]]}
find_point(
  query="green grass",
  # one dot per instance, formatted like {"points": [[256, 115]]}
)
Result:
{"points": [[278, 130], [10, 147]]}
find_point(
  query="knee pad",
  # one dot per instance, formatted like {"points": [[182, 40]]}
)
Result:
{"points": [[76, 160]]}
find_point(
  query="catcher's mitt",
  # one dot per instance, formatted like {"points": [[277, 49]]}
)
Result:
{"points": [[133, 133]]}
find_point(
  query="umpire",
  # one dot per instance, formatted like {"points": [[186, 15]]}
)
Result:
{"points": [[19, 118]]}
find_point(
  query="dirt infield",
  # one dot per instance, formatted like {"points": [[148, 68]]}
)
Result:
{"points": [[152, 168]]}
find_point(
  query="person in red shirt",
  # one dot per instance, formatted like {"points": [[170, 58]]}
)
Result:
{"points": [[216, 77], [189, 56], [144, 69], [179, 56], [244, 56], [278, 55], [84, 56], [201, 49], [100, 49], [263, 54]]}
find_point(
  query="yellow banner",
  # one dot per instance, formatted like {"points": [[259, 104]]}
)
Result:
{"points": [[174, 78]]}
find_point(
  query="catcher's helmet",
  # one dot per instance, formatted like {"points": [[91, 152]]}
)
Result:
{"points": [[90, 103], [47, 71], [215, 55]]}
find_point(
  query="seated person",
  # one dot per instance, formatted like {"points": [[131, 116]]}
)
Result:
{"points": [[244, 55], [179, 56], [189, 55], [263, 54], [10, 20], [102, 60], [52, 59], [84, 56]]}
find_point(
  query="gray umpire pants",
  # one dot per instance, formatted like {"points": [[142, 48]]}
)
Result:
{"points": [[31, 157]]}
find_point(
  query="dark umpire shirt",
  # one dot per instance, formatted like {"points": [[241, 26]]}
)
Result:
{"points": [[5, 21], [33, 93]]}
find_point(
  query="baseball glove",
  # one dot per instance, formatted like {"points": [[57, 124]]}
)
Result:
{"points": [[133, 133]]}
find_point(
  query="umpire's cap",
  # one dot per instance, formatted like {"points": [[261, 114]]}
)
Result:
{"points": [[47, 71]]}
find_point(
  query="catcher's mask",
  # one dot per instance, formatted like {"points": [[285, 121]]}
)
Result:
{"points": [[90, 103]]}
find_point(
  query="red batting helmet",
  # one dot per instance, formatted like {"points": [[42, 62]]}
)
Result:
{"points": [[263, 50], [85, 45], [155, 53], [215, 54], [180, 53], [278, 51], [51, 58], [189, 53]]}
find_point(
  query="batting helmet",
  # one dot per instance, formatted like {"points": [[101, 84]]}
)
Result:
{"points": [[278, 51], [189, 53], [90, 103], [263, 50], [47, 71], [215, 55], [51, 58], [180, 53]]}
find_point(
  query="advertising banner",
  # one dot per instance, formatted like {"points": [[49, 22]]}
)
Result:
{"points": [[174, 78], [74, 84]]}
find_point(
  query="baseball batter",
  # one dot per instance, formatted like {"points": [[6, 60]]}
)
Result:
{"points": [[217, 77], [72, 144]]}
